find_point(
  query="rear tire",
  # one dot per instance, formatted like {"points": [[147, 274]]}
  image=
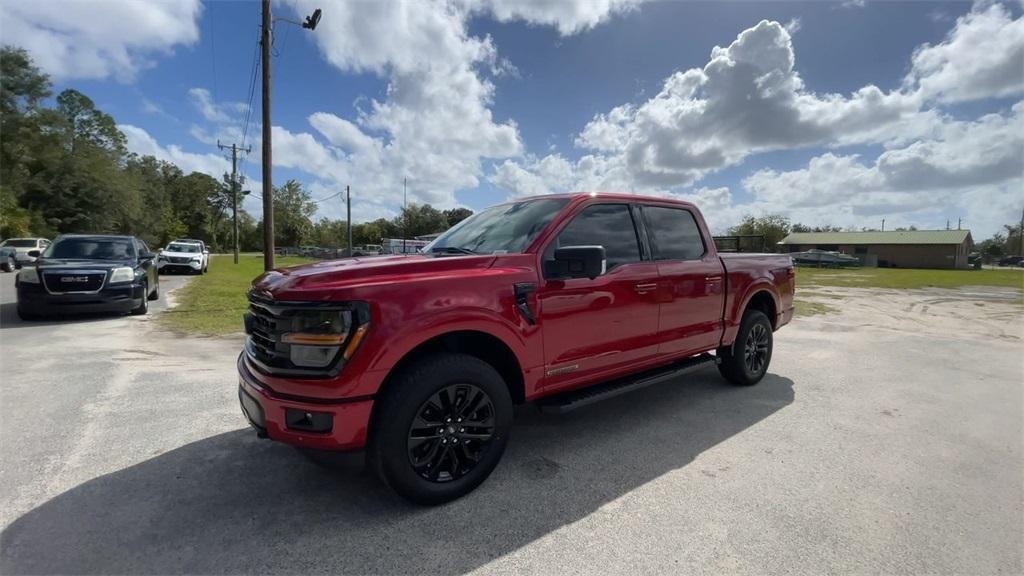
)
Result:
{"points": [[10, 265], [440, 428], [746, 362], [155, 294]]}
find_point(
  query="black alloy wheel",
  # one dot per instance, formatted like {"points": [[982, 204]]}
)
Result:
{"points": [[755, 349], [746, 361], [451, 432]]}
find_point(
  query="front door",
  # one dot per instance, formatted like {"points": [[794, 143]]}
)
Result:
{"points": [[594, 327], [691, 307]]}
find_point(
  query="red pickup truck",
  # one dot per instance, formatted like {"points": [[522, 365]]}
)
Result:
{"points": [[561, 300]]}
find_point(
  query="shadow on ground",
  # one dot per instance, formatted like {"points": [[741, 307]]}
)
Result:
{"points": [[232, 503]]}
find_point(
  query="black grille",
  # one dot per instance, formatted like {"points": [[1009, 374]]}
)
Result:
{"points": [[264, 335], [179, 259], [74, 281]]}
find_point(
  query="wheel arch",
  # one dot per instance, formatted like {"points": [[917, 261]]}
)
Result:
{"points": [[479, 344]]}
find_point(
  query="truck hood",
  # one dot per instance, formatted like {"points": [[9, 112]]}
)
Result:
{"points": [[166, 253], [75, 263], [323, 280]]}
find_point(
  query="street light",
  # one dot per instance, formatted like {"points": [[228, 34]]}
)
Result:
{"points": [[268, 186]]}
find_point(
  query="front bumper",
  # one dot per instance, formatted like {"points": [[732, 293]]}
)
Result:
{"points": [[183, 267], [335, 425], [34, 299]]}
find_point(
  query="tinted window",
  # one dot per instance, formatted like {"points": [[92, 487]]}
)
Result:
{"points": [[92, 248], [20, 243], [505, 228], [674, 233], [608, 225]]}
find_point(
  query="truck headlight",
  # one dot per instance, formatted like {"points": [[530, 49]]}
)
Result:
{"points": [[197, 258], [123, 274], [317, 337], [28, 275]]}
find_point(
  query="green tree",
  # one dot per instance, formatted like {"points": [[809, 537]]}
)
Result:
{"points": [[293, 209], [774, 227], [419, 219], [456, 215]]}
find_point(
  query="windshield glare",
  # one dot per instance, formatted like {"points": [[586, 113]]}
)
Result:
{"points": [[20, 243], [506, 228], [189, 248], [91, 248]]}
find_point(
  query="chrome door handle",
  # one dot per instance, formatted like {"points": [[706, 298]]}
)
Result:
{"points": [[644, 288]]}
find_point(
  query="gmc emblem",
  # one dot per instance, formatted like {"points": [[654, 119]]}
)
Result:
{"points": [[74, 278]]}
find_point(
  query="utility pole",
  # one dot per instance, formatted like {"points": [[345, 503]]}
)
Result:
{"points": [[234, 186], [883, 224], [348, 209], [947, 223], [958, 220], [1020, 233], [404, 212], [268, 185]]}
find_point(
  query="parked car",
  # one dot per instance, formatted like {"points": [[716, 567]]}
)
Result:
{"points": [[824, 259], [1012, 261], [181, 256], [560, 300], [22, 247], [87, 273], [8, 262]]}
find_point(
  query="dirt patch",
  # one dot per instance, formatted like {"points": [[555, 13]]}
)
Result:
{"points": [[976, 312]]}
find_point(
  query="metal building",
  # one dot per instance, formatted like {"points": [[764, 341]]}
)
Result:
{"points": [[898, 249]]}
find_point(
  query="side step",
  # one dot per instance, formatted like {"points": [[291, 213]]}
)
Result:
{"points": [[568, 401]]}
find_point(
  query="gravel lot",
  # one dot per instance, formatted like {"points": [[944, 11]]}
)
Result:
{"points": [[886, 439]]}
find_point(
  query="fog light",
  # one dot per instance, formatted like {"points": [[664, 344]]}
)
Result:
{"points": [[308, 421]]}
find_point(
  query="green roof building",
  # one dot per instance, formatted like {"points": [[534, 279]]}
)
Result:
{"points": [[897, 248]]}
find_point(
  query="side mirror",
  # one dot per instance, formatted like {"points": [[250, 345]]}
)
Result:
{"points": [[34, 253], [206, 251], [578, 262]]}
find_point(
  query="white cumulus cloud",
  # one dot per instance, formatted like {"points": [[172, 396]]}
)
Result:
{"points": [[91, 40]]}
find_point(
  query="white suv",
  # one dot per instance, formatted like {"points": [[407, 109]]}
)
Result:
{"points": [[183, 257], [22, 246]]}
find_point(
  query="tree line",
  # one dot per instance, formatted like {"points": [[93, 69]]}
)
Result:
{"points": [[64, 168]]}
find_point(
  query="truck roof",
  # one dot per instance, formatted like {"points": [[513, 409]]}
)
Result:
{"points": [[612, 196]]}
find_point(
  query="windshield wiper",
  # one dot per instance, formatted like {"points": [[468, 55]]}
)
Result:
{"points": [[452, 250]]}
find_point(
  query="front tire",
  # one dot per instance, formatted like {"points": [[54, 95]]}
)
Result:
{"points": [[27, 316], [155, 294], [440, 429], [10, 265], [143, 308], [746, 362]]}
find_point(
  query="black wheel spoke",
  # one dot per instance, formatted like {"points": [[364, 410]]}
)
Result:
{"points": [[451, 432]]}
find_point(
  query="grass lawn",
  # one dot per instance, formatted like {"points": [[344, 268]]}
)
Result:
{"points": [[214, 303], [907, 278]]}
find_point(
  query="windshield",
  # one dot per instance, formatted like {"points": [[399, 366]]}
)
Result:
{"points": [[20, 243], [191, 248], [91, 249], [506, 228]]}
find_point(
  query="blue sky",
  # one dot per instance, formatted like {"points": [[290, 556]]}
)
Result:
{"points": [[527, 83]]}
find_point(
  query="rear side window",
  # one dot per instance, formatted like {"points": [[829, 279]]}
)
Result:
{"points": [[608, 225], [674, 233]]}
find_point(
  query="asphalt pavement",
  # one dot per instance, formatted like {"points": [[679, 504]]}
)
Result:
{"points": [[875, 445]]}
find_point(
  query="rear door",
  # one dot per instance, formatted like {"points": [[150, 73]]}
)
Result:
{"points": [[595, 327], [693, 278]]}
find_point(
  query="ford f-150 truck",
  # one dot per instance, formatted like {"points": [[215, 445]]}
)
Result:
{"points": [[560, 300]]}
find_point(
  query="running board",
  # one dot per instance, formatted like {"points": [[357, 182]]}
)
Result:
{"points": [[568, 401]]}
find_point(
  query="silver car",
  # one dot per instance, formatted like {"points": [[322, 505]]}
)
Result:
{"points": [[22, 246]]}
